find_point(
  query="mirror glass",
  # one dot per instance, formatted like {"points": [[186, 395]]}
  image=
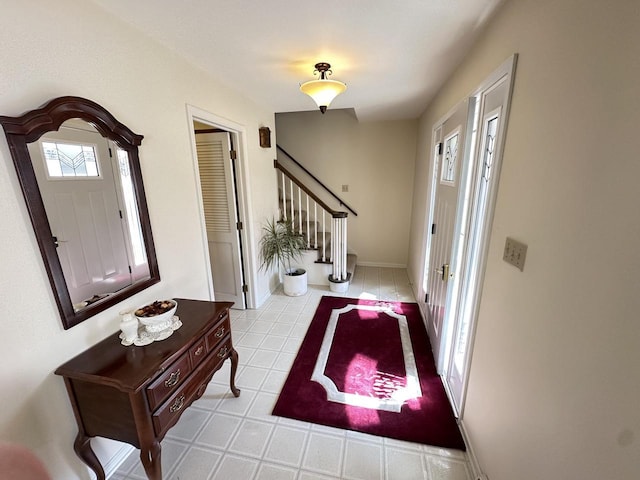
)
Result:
{"points": [[80, 174]]}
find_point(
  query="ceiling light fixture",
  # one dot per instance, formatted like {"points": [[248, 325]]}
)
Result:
{"points": [[323, 91]]}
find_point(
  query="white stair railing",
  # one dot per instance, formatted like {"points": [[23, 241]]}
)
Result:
{"points": [[304, 209]]}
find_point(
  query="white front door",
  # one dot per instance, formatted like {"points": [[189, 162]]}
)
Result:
{"points": [[449, 180], [76, 179], [493, 102], [221, 216]]}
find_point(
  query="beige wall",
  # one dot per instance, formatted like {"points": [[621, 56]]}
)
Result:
{"points": [[375, 159], [555, 380], [71, 47]]}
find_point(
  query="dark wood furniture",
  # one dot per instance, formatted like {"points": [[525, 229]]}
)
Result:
{"points": [[135, 394]]}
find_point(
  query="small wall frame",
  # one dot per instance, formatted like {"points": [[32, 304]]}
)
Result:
{"points": [[265, 137]]}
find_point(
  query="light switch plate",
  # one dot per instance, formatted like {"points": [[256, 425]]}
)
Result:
{"points": [[514, 253]]}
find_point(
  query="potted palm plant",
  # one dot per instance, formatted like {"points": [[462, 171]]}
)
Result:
{"points": [[279, 246]]}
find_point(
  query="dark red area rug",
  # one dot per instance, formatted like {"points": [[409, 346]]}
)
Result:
{"points": [[374, 360]]}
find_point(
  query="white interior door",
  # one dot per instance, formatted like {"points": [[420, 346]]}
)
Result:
{"points": [[221, 216], [76, 180], [448, 182]]}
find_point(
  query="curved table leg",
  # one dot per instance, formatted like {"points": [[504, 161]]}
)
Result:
{"points": [[82, 447], [234, 366], [150, 458]]}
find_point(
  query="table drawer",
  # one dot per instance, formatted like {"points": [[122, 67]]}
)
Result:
{"points": [[168, 382], [198, 352], [193, 388], [217, 333]]}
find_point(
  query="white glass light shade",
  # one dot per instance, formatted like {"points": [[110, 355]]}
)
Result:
{"points": [[323, 91]]}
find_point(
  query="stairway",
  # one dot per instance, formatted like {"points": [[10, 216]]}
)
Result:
{"points": [[317, 259]]}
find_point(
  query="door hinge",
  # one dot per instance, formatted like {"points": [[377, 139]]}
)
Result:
{"points": [[120, 212], [234, 154], [426, 298], [433, 229], [439, 148], [110, 153], [245, 288], [130, 271], [239, 225]]}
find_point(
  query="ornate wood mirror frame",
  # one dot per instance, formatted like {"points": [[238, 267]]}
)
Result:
{"points": [[22, 130]]}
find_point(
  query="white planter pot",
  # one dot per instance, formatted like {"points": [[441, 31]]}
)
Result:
{"points": [[338, 287], [296, 284]]}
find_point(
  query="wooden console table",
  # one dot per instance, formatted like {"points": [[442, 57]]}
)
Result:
{"points": [[135, 394]]}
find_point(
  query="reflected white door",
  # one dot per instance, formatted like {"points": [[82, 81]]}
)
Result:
{"points": [[76, 179], [221, 216], [450, 138]]}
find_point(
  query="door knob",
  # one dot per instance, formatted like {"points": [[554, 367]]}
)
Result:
{"points": [[444, 271], [57, 242]]}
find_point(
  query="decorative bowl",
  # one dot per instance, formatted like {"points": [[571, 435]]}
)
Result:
{"points": [[157, 316]]}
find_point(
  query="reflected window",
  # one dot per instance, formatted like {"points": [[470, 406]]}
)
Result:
{"points": [[131, 209]]}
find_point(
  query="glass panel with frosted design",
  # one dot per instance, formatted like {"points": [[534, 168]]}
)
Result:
{"points": [[490, 130], [450, 159], [490, 140], [70, 160]]}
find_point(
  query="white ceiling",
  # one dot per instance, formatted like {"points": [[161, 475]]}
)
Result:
{"points": [[393, 54]]}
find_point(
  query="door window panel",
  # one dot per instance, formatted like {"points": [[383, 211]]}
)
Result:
{"points": [[491, 128], [448, 174], [70, 160]]}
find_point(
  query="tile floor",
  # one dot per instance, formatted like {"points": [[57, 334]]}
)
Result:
{"points": [[223, 437]]}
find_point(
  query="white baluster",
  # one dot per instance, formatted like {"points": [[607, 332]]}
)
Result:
{"points": [[336, 240], [334, 233], [315, 221], [291, 197], [299, 210], [339, 249], [284, 197], [308, 231], [324, 237], [334, 257], [344, 246]]}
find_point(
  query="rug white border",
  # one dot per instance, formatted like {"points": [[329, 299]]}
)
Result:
{"points": [[410, 391]]}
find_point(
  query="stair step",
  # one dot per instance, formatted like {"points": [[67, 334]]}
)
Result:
{"points": [[352, 259]]}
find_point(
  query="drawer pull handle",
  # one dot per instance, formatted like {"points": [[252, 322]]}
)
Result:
{"points": [[177, 405], [219, 333], [173, 379], [223, 353], [199, 351]]}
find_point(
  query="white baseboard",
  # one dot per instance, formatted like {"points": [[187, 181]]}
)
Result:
{"points": [[264, 298], [381, 265], [476, 471], [111, 466]]}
